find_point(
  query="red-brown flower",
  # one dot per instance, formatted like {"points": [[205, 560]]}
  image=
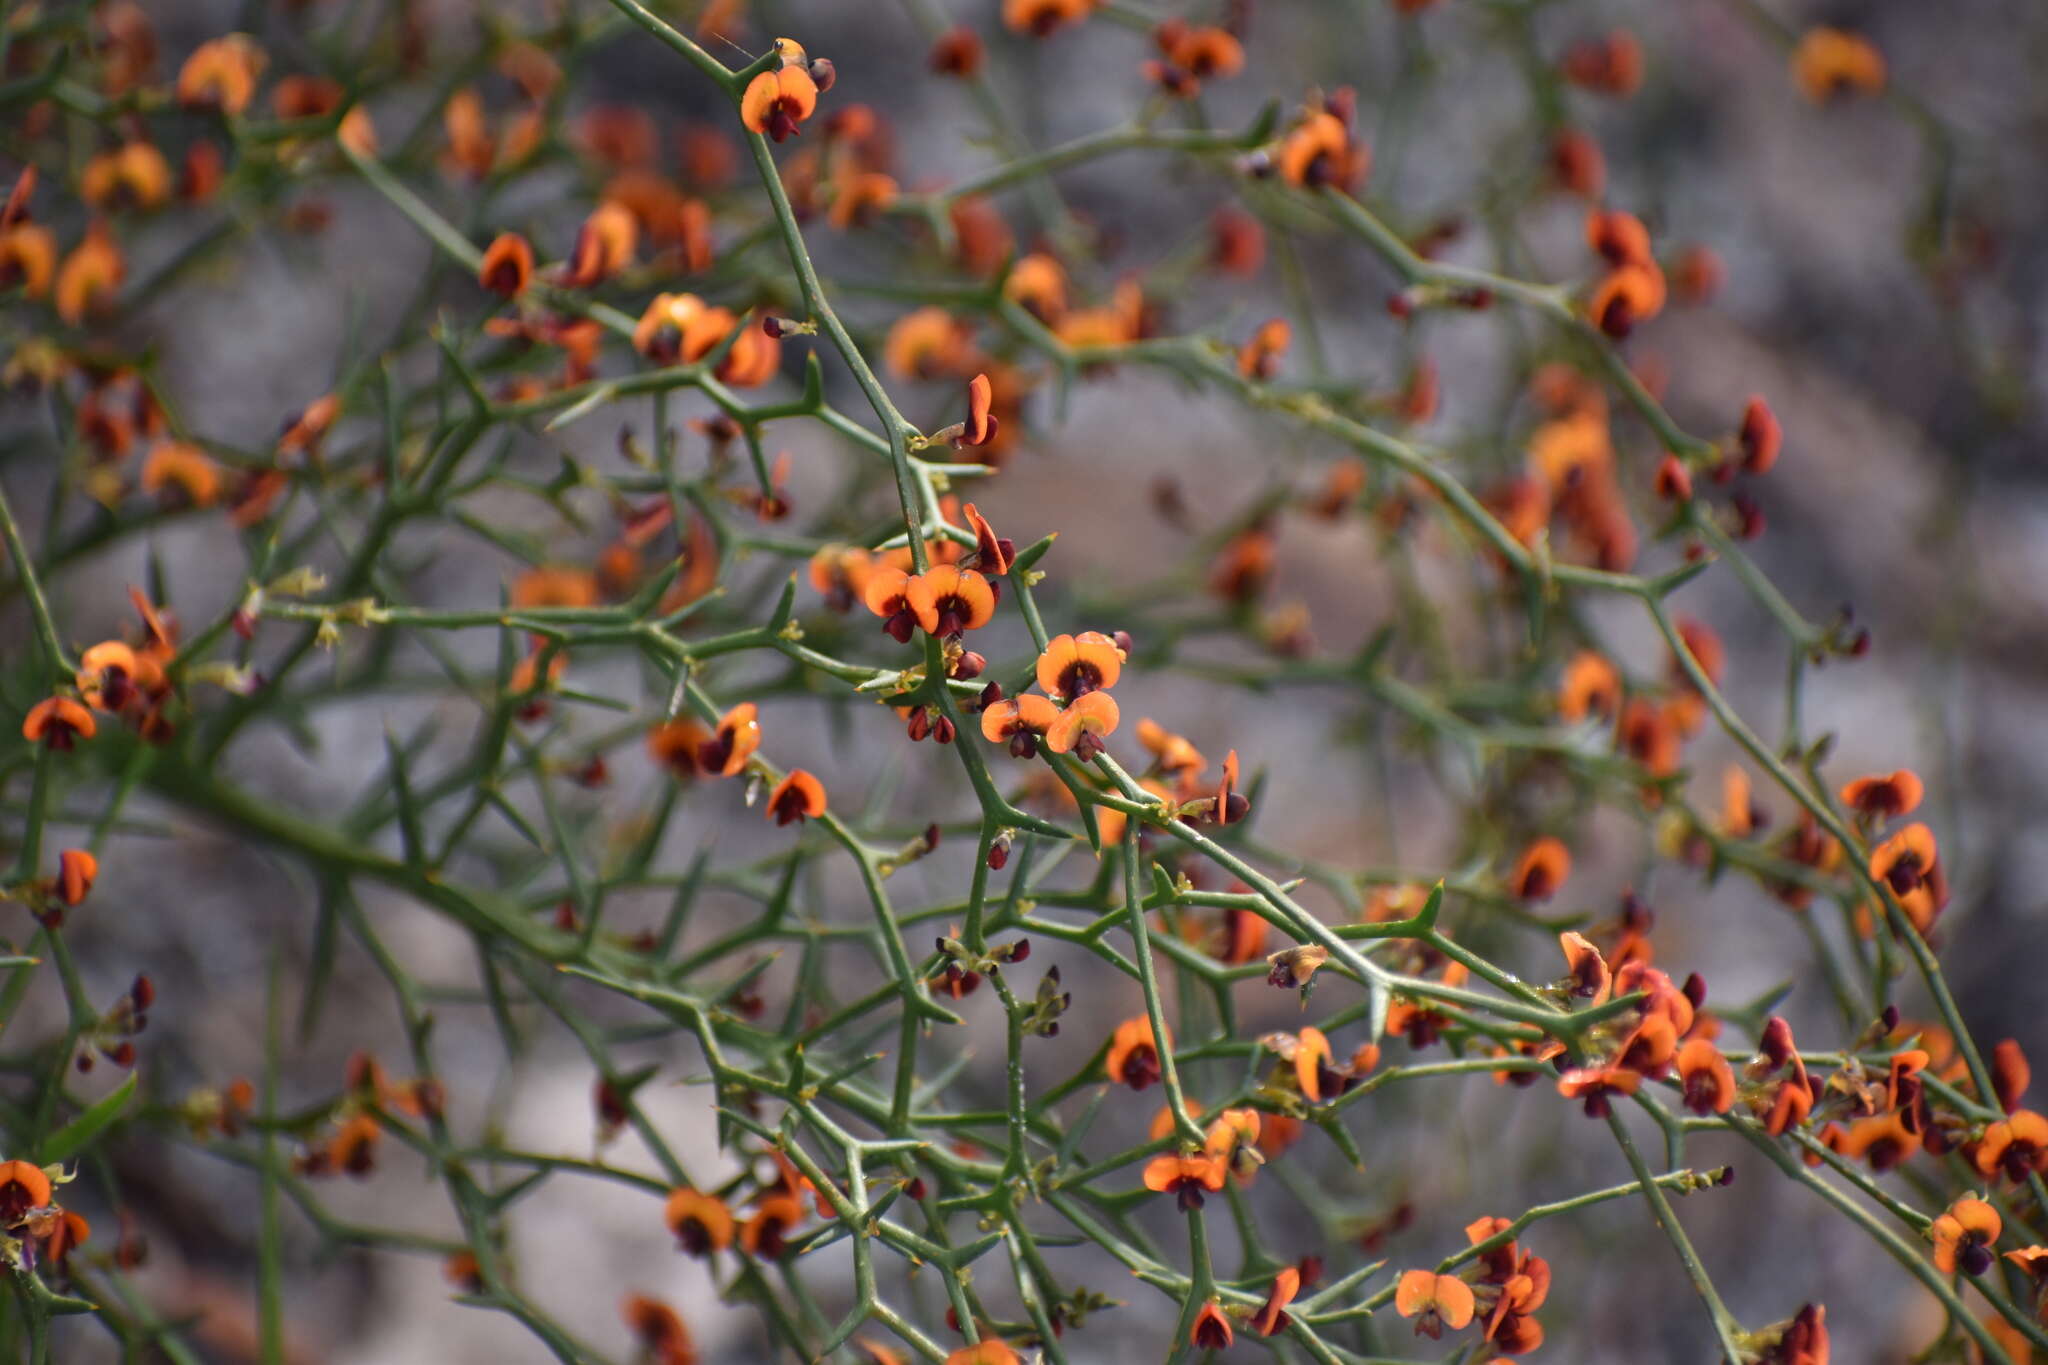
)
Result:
{"points": [[1964, 1237], [1541, 871], [1083, 725], [1884, 796], [1020, 722], [58, 722], [1705, 1078], [700, 1223], [778, 101], [1272, 1316], [2014, 1146], [659, 1330], [726, 753], [797, 797], [1134, 1054], [1211, 1331], [1074, 665], [948, 600]]}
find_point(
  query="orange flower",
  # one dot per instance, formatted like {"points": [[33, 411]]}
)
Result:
{"points": [[2014, 1146], [555, 585], [306, 430], [1311, 1059], [1611, 65], [1039, 283], [726, 753], [470, 149], [1271, 1319], [1541, 871], [1186, 1177], [1211, 1331], [1674, 481], [1319, 152], [1883, 1140], [23, 1187], [1172, 754], [1259, 358], [604, 246], [90, 275], [58, 722], [109, 674], [76, 871], [981, 426], [755, 358], [1040, 17], [1591, 687], [1020, 723], [1803, 1341], [355, 132], [1589, 974], [222, 74], [887, 595], [1439, 1301], [660, 1331], [28, 258], [1882, 797], [857, 197], [1080, 728], [1522, 1284], [134, 175], [774, 1217], [1619, 238], [1234, 1139], [1308, 1053], [1964, 1236], [1790, 1105], [2032, 1260], [181, 465], [1705, 1077], [300, 96], [1204, 53], [1908, 862], [1697, 274], [925, 343], [1073, 666], [1627, 297], [797, 797], [840, 572], [1290, 968], [948, 600], [353, 1148], [2010, 1074], [956, 52], [1577, 165], [700, 1222], [1649, 734], [987, 1351], [65, 1233], [1592, 1085], [993, 554], [1828, 62], [1739, 814], [1133, 1054], [507, 265], [778, 101], [1760, 437]]}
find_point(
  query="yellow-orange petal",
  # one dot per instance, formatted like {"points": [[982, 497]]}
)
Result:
{"points": [[1083, 723]]}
